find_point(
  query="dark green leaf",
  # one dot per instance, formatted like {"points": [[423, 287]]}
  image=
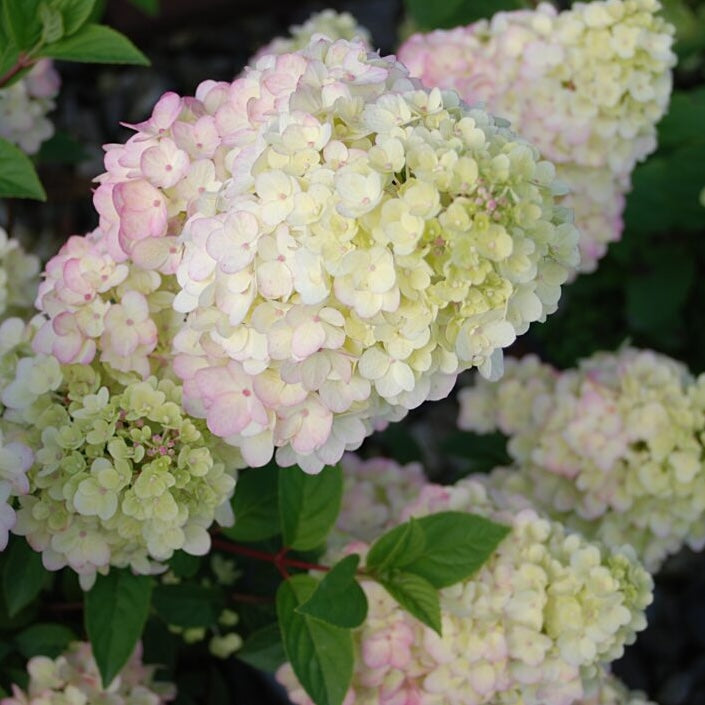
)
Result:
{"points": [[44, 639], [18, 179], [52, 23], [75, 13], [9, 53], [22, 576], [451, 13], [95, 43], [484, 451], [149, 7], [116, 609], [666, 192], [339, 599], [184, 565], [654, 298], [263, 649], [256, 507], [320, 654], [308, 505], [682, 123], [417, 596], [188, 605], [23, 22], [457, 544], [61, 148], [397, 547]]}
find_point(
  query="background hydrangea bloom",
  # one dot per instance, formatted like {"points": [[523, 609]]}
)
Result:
{"points": [[18, 277], [613, 448], [343, 244], [117, 475], [329, 23], [532, 625], [586, 85], [25, 104], [73, 678]]}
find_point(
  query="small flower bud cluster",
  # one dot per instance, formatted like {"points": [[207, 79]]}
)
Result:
{"points": [[586, 85], [73, 679], [329, 23], [25, 104], [119, 474], [18, 277], [534, 625], [344, 244], [613, 448]]}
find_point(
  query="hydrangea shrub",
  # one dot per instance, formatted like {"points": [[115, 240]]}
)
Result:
{"points": [[284, 264]]}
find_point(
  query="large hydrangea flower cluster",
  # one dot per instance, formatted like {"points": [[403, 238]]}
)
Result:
{"points": [[343, 243], [73, 679], [25, 104], [613, 448], [19, 277], [329, 23], [586, 85], [105, 473], [532, 626]]}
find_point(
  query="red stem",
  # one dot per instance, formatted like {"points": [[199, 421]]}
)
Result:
{"points": [[278, 559], [23, 62]]}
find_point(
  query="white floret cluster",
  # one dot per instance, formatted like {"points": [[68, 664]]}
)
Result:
{"points": [[533, 626], [105, 473], [24, 106], [344, 244], [328, 23], [586, 85], [19, 277], [73, 679], [613, 448]]}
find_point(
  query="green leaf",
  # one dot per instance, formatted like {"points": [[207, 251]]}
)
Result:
{"points": [[96, 43], [9, 53], [417, 596], [338, 599], [184, 565], [149, 7], [188, 605], [52, 23], [308, 505], [18, 179], [451, 13], [75, 13], [444, 548], [397, 548], [263, 649], [256, 506], [62, 148], [457, 544], [655, 298], [320, 654], [116, 609], [22, 577], [44, 640], [666, 191], [23, 23]]}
